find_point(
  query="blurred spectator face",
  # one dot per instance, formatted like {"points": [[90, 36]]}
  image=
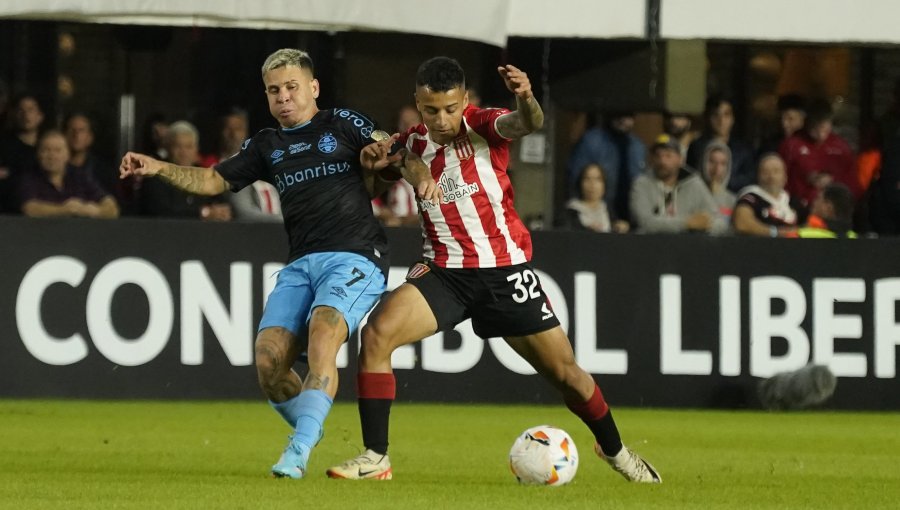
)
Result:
{"points": [[623, 123], [158, 131], [183, 149], [772, 174], [717, 165], [474, 97], [792, 121], [677, 125], [28, 115], [819, 132], [822, 208], [666, 163], [234, 132], [721, 120], [53, 153], [593, 186], [407, 118], [79, 134]]}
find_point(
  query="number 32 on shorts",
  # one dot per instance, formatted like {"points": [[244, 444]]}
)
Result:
{"points": [[526, 285]]}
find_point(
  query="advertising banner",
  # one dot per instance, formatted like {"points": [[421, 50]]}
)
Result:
{"points": [[139, 308]]}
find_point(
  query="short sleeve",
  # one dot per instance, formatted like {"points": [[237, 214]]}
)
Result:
{"points": [[484, 122], [245, 167], [356, 127]]}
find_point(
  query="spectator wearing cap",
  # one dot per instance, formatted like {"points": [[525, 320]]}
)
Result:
{"points": [[718, 116], [618, 151], [671, 198], [815, 157]]}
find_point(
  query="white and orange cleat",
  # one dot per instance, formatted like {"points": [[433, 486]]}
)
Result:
{"points": [[368, 465], [630, 465]]}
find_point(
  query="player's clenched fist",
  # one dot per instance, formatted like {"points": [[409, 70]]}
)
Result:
{"points": [[516, 81], [138, 164]]}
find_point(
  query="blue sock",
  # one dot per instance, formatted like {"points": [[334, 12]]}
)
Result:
{"points": [[289, 409], [313, 407]]}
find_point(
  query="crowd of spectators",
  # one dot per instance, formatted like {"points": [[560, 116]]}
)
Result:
{"points": [[705, 180], [712, 181], [51, 169]]}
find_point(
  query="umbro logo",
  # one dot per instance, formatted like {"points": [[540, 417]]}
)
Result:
{"points": [[277, 156], [339, 292]]}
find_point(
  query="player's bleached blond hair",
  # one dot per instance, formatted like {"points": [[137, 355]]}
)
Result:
{"points": [[288, 57]]}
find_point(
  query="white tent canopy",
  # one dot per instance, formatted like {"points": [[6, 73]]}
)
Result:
{"points": [[860, 21], [488, 21], [493, 21]]}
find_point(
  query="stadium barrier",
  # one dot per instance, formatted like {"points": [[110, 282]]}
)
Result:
{"points": [[140, 308]]}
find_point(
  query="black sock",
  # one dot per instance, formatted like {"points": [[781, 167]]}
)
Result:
{"points": [[606, 433], [375, 417]]}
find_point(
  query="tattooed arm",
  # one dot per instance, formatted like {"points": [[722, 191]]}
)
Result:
{"points": [[201, 181], [528, 117]]}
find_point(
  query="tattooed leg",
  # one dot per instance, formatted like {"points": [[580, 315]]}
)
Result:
{"points": [[327, 332], [276, 350]]}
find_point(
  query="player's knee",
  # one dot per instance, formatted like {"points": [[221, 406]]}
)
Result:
{"points": [[565, 372], [271, 358], [375, 339]]}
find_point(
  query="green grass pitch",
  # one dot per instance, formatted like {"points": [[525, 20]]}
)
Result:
{"points": [[108, 455]]}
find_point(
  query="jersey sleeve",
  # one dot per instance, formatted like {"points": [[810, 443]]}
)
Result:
{"points": [[245, 167], [484, 122], [748, 199], [356, 127]]}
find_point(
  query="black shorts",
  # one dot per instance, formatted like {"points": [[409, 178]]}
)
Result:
{"points": [[501, 301]]}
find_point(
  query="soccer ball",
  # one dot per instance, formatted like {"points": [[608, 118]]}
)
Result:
{"points": [[544, 455]]}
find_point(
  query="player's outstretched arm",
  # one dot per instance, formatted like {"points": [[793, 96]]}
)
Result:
{"points": [[201, 181], [528, 117], [418, 174]]}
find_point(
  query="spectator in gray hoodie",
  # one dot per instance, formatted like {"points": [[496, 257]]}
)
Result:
{"points": [[716, 171], [671, 198]]}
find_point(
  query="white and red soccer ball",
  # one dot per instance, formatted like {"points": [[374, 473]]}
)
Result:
{"points": [[544, 455]]}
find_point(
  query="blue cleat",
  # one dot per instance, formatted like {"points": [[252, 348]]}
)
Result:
{"points": [[292, 463]]}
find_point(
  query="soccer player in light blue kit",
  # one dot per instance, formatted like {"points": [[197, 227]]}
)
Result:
{"points": [[319, 160]]}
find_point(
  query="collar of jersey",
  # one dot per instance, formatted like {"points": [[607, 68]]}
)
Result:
{"points": [[296, 127]]}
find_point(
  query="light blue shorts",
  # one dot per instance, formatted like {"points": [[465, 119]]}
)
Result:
{"points": [[347, 282]]}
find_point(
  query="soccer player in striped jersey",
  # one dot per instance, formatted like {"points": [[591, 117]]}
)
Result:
{"points": [[476, 265]]}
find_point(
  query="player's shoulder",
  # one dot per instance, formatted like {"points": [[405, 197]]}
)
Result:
{"points": [[262, 137], [263, 134], [349, 117], [483, 120]]}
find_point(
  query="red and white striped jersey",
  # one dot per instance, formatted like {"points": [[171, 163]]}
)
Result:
{"points": [[476, 224]]}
